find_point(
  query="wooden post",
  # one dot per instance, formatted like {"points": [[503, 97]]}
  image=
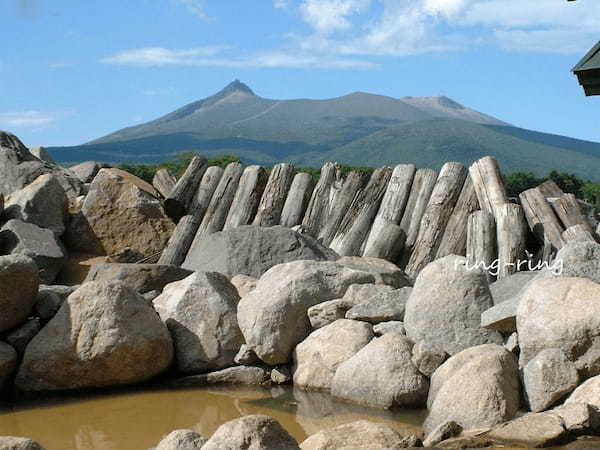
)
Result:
{"points": [[387, 243], [352, 185], [541, 218], [578, 233], [569, 212], [488, 183], [454, 241], [217, 210], [164, 182], [273, 198], [391, 211], [481, 240], [439, 209], [186, 229], [357, 221], [297, 200], [316, 213], [420, 192], [245, 203], [511, 232], [177, 203]]}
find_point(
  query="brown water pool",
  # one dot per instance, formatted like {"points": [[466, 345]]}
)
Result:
{"points": [[131, 420]]}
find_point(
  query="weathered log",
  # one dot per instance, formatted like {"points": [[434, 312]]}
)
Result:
{"points": [[511, 232], [273, 198], [357, 221], [186, 229], [164, 182], [297, 199], [391, 209], [439, 209], [342, 200], [541, 218], [578, 233], [420, 192], [569, 212], [318, 207], [387, 243], [481, 241], [488, 183], [177, 203], [550, 189], [220, 203], [454, 240], [247, 198]]}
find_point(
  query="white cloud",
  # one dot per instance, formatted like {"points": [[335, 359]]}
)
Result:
{"points": [[216, 57], [329, 16], [280, 4], [31, 119], [196, 7]]}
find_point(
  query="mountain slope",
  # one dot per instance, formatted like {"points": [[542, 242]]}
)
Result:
{"points": [[358, 128]]}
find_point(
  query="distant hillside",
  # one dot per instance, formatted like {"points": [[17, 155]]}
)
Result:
{"points": [[358, 128]]}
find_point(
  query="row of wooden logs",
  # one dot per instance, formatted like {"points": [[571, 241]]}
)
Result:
{"points": [[406, 215]]}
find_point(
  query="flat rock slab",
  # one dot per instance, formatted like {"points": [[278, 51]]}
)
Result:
{"points": [[243, 375], [502, 316]]}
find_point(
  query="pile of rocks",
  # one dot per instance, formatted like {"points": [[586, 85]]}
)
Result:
{"points": [[516, 361]]}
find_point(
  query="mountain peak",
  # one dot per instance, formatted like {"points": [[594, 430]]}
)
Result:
{"points": [[236, 86]]}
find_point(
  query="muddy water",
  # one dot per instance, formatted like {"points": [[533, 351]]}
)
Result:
{"points": [[139, 419]]}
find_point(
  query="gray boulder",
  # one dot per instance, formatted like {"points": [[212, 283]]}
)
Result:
{"points": [[20, 337], [577, 333], [579, 418], [43, 203], [445, 306], [18, 168], [273, 317], [383, 307], [502, 317], [328, 312], [19, 283], [580, 259], [427, 359], [8, 363], [18, 443], [39, 244], [246, 356], [478, 387], [362, 434], [281, 375], [43, 154], [317, 358], [142, 278], [86, 171], [531, 430], [588, 392], [251, 250], [384, 271], [509, 287], [104, 334], [382, 375], [182, 440], [239, 375], [201, 314], [547, 378], [389, 327], [256, 432], [49, 300], [244, 284], [444, 431]]}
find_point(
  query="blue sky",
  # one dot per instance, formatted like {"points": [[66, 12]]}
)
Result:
{"points": [[73, 70]]}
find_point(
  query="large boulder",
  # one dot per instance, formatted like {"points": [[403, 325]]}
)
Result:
{"points": [[319, 355], [86, 171], [588, 392], [8, 363], [251, 250], [561, 313], [478, 387], [445, 306], [548, 378], [18, 168], [182, 440], [579, 259], [18, 443], [255, 432], [531, 430], [120, 212], [509, 287], [201, 314], [43, 203], [142, 278], [382, 375], [104, 334], [39, 244], [19, 284], [273, 317], [362, 434]]}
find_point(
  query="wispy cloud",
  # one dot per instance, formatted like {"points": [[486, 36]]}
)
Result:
{"points": [[221, 57], [280, 4], [196, 7], [32, 119]]}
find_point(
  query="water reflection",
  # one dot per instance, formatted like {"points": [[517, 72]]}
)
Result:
{"points": [[138, 420]]}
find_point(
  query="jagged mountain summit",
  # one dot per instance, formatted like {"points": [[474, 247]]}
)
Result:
{"points": [[358, 128]]}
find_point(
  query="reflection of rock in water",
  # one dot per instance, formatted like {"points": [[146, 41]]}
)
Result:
{"points": [[88, 438], [317, 411]]}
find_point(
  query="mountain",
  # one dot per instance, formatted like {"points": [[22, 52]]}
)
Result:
{"points": [[357, 129]]}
